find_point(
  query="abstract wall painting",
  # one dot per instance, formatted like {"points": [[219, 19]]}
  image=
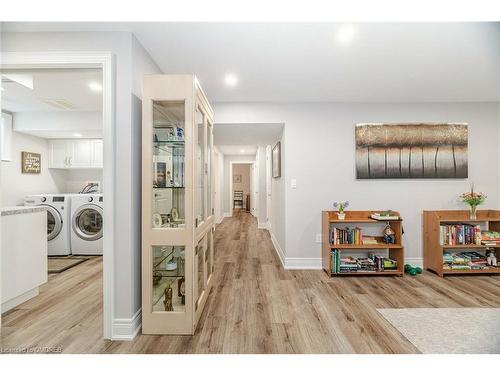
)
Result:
{"points": [[411, 151]]}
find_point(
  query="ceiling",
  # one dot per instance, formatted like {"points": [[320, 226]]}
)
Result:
{"points": [[246, 150], [287, 62], [69, 87]]}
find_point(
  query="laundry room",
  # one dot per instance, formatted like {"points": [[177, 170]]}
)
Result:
{"points": [[52, 165]]}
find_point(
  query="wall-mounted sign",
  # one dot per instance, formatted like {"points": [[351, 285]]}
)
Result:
{"points": [[31, 162]]}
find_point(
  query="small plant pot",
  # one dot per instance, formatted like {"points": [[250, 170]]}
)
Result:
{"points": [[341, 215]]}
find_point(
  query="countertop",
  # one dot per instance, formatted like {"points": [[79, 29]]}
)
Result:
{"points": [[17, 210]]}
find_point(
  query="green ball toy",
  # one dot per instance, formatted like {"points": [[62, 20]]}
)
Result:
{"points": [[419, 270], [412, 271]]}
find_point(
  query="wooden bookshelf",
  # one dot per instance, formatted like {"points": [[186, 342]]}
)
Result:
{"points": [[357, 219], [433, 250]]}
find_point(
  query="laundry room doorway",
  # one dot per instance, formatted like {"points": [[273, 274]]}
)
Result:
{"points": [[77, 178]]}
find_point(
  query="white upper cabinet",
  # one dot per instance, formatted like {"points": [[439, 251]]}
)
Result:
{"points": [[75, 154], [97, 155]]}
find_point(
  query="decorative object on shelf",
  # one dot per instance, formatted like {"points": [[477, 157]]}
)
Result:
{"points": [[31, 162], [276, 160], [473, 199], [167, 302], [179, 133], [174, 214], [341, 206], [171, 265], [157, 220], [411, 150], [161, 175], [389, 235], [388, 215], [181, 290], [156, 277], [491, 257]]}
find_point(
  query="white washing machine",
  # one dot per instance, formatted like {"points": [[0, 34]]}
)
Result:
{"points": [[86, 224], [58, 220]]}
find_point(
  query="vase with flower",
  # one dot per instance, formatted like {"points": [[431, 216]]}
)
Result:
{"points": [[341, 206], [473, 199]]}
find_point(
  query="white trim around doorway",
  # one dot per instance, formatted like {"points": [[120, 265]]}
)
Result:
{"points": [[231, 162], [106, 62]]}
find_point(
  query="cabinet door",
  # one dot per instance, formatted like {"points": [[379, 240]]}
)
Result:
{"points": [[97, 155], [59, 154], [81, 155]]}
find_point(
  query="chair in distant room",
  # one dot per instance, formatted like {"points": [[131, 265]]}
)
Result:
{"points": [[238, 199]]}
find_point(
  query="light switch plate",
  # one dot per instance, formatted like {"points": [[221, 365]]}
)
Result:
{"points": [[318, 238], [293, 183]]}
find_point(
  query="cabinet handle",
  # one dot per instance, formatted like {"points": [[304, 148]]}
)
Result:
{"points": [[70, 160], [66, 161]]}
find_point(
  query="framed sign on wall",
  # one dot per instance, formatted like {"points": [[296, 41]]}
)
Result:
{"points": [[31, 162]]}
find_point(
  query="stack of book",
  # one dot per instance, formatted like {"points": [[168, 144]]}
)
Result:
{"points": [[459, 234], [374, 263], [490, 238], [369, 240], [467, 260], [345, 236], [367, 265]]}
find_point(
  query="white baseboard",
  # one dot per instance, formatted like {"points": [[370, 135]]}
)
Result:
{"points": [[127, 329], [416, 262], [264, 225], [303, 263], [278, 249], [10, 304]]}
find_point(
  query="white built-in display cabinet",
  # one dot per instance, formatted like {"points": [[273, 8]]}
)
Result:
{"points": [[75, 153], [177, 204]]}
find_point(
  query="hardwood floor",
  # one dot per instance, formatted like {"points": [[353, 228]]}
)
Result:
{"points": [[255, 307]]}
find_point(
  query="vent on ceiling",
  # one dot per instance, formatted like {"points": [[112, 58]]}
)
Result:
{"points": [[60, 104]]}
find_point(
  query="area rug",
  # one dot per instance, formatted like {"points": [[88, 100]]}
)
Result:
{"points": [[60, 264], [448, 330]]}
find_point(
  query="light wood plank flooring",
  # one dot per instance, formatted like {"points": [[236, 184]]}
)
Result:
{"points": [[255, 307]]}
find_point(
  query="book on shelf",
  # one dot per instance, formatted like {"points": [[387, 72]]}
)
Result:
{"points": [[350, 264], [459, 234], [465, 260], [382, 217], [369, 240], [348, 235]]}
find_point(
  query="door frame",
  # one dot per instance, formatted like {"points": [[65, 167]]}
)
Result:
{"points": [[106, 62], [231, 162]]}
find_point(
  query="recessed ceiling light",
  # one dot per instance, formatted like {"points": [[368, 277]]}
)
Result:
{"points": [[345, 34], [242, 151], [77, 134], [95, 86], [231, 80]]}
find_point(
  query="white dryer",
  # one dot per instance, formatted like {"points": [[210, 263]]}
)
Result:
{"points": [[86, 224], [58, 219]]}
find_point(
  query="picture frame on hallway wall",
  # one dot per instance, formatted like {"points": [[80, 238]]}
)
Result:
{"points": [[276, 160], [237, 179], [411, 150]]}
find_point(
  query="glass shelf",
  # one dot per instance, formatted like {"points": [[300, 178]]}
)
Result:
{"points": [[165, 279]]}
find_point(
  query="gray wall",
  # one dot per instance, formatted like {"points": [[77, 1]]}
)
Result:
{"points": [[318, 151]]}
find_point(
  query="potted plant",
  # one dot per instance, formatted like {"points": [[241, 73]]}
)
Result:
{"points": [[341, 206], [473, 199]]}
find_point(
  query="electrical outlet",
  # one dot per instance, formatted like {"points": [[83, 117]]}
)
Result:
{"points": [[319, 238]]}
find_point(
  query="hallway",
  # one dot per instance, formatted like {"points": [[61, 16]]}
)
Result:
{"points": [[257, 307]]}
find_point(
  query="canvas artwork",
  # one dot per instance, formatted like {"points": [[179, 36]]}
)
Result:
{"points": [[411, 151]]}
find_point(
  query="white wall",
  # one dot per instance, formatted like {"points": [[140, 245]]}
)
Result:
{"points": [[261, 187], [219, 183], [131, 63], [75, 180], [16, 185], [318, 149]]}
